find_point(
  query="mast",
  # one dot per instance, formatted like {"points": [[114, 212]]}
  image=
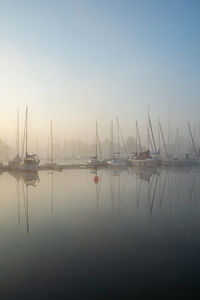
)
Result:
{"points": [[122, 138], [158, 139], [150, 144], [169, 132], [163, 138], [148, 135], [17, 142], [26, 130], [111, 140], [51, 128], [96, 140], [148, 139], [136, 137], [137, 129], [176, 142], [98, 144], [118, 137], [154, 144], [190, 132]]}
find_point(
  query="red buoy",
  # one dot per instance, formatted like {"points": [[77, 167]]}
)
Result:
{"points": [[96, 179]]}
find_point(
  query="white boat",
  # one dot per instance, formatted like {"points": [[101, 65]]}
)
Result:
{"points": [[116, 160], [30, 163], [117, 163], [143, 160], [94, 161]]}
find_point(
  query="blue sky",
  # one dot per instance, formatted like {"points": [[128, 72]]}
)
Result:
{"points": [[80, 61]]}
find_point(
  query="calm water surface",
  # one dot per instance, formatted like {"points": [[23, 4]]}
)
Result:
{"points": [[128, 236]]}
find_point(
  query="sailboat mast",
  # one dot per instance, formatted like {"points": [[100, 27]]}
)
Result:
{"points": [[178, 142], [158, 140], [192, 138], [26, 131], [51, 128], [111, 140], [118, 137], [99, 146], [96, 140], [169, 128], [18, 132], [148, 135], [154, 144], [122, 138], [163, 138], [138, 136]]}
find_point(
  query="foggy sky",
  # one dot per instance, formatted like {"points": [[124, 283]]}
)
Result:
{"points": [[75, 62]]}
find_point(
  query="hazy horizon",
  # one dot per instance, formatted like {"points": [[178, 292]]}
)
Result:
{"points": [[78, 62]]}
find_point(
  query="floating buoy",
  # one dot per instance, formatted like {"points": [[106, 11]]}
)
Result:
{"points": [[96, 179]]}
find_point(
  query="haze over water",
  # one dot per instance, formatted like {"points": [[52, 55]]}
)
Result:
{"points": [[132, 234]]}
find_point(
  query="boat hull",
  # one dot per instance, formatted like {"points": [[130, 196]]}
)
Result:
{"points": [[95, 163], [117, 164], [178, 163], [29, 165], [146, 163]]}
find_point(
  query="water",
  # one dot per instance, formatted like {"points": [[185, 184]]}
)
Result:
{"points": [[129, 236]]}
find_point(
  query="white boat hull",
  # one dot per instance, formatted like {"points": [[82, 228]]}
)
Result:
{"points": [[146, 163], [116, 163], [95, 163]]}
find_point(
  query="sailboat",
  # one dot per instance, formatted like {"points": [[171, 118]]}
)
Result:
{"points": [[14, 163], [144, 159], [30, 162], [170, 160], [116, 160], [94, 161], [193, 159]]}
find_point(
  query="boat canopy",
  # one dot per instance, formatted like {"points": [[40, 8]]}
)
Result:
{"points": [[143, 155]]}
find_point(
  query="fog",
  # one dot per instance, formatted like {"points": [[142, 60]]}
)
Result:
{"points": [[79, 143]]}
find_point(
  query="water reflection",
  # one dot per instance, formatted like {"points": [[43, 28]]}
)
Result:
{"points": [[26, 179], [98, 229], [150, 189]]}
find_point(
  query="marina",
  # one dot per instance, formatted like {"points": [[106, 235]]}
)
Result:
{"points": [[152, 154], [99, 150]]}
